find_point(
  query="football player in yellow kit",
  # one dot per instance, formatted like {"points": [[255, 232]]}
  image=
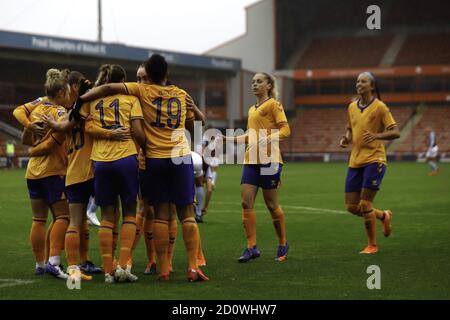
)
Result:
{"points": [[369, 124], [263, 171], [45, 175], [80, 180], [116, 168], [169, 170]]}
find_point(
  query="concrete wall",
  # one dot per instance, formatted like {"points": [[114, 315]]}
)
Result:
{"points": [[256, 47]]}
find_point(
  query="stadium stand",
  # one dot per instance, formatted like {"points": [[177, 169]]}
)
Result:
{"points": [[318, 129], [436, 117], [425, 49], [327, 48], [345, 52], [7, 117]]}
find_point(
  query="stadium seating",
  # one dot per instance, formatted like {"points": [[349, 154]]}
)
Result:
{"points": [[417, 13], [437, 118], [417, 49], [344, 52], [7, 117], [318, 130]]}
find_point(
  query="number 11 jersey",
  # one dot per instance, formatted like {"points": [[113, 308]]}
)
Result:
{"points": [[112, 112]]}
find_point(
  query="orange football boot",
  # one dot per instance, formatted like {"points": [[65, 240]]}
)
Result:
{"points": [[369, 250]]}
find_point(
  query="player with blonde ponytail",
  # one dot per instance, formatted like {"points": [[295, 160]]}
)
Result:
{"points": [[45, 175], [266, 126]]}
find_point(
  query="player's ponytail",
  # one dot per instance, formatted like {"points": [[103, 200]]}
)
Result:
{"points": [[104, 74], [375, 85], [273, 92], [55, 82], [110, 73]]}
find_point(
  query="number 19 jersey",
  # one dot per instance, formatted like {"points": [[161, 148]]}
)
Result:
{"points": [[165, 114]]}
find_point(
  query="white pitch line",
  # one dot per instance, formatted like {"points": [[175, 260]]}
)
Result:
{"points": [[321, 210], [14, 282], [318, 210]]}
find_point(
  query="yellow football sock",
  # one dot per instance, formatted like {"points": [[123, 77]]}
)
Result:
{"points": [[249, 222], [105, 237], [161, 239], [47, 241], [279, 224], [37, 238], [173, 227], [191, 238], [58, 235], [149, 243], [378, 213], [369, 221], [72, 245], [115, 236], [127, 235], [137, 237], [84, 242]]}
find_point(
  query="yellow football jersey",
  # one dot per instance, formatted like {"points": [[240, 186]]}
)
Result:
{"points": [[269, 115], [54, 163], [22, 113], [79, 147], [374, 118], [165, 113], [112, 112]]}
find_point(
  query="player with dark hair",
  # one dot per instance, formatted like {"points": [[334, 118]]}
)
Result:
{"points": [[369, 124], [115, 169], [169, 169]]}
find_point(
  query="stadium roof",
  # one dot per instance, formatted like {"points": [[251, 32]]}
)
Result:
{"points": [[116, 51]]}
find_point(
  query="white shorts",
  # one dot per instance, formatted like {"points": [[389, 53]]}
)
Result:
{"points": [[432, 152], [213, 162], [197, 163]]}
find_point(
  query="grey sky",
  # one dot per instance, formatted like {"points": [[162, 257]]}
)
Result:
{"points": [[192, 26]]}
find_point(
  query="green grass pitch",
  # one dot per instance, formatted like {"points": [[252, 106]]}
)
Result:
{"points": [[323, 261]]}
